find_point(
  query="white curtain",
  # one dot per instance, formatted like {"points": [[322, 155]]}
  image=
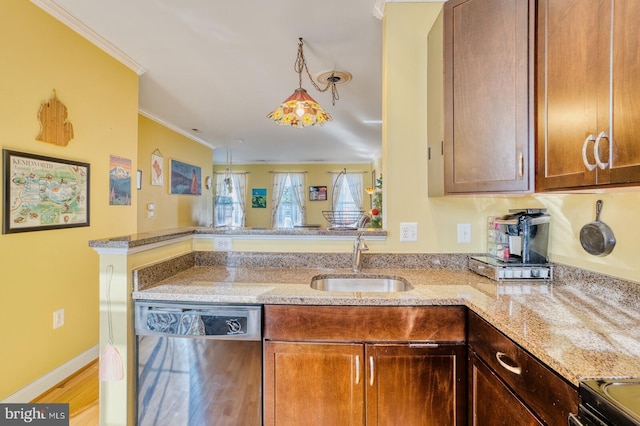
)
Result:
{"points": [[298, 215], [240, 185], [279, 185], [237, 192], [354, 180], [292, 184], [336, 184], [351, 182], [220, 186]]}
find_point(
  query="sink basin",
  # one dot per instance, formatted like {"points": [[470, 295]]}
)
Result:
{"points": [[360, 283]]}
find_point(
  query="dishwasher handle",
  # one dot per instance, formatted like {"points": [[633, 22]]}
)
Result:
{"points": [[222, 322]]}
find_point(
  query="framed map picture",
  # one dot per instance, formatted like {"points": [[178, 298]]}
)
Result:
{"points": [[43, 193]]}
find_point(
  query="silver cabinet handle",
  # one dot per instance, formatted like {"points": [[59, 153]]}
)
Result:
{"points": [[588, 165], [426, 345], [521, 166], [574, 420], [596, 149], [357, 369], [510, 366], [371, 371]]}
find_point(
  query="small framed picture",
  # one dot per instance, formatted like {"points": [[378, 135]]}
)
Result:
{"points": [[317, 193], [139, 179], [185, 178], [157, 170], [259, 198]]}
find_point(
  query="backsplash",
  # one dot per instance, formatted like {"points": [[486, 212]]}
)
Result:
{"points": [[607, 288], [332, 260]]}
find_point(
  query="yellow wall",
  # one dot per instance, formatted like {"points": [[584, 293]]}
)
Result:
{"points": [[48, 270], [171, 210], [406, 27], [44, 271], [260, 176]]}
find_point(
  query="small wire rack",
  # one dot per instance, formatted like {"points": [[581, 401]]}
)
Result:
{"points": [[343, 219]]}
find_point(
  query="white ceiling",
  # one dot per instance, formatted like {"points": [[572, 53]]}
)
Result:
{"points": [[220, 66]]}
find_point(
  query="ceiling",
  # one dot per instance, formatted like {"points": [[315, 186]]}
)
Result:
{"points": [[213, 69]]}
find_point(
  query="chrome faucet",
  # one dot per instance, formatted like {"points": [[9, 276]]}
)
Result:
{"points": [[358, 247]]}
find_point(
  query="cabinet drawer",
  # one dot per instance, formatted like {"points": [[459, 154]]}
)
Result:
{"points": [[491, 401], [549, 395], [365, 323]]}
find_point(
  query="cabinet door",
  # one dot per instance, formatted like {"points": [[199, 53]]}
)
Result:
{"points": [[488, 97], [418, 386], [547, 394], [491, 402], [573, 75], [313, 384], [625, 128]]}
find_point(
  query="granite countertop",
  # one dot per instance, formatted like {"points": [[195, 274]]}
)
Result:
{"points": [[577, 329], [145, 238]]}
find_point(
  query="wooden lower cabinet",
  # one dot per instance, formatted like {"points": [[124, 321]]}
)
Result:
{"points": [[364, 384], [418, 386], [313, 384], [513, 382], [365, 365], [491, 402]]}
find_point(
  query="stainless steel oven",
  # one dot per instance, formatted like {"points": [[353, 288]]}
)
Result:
{"points": [[608, 402], [198, 364]]}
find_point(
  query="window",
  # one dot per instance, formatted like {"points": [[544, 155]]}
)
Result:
{"points": [[229, 207], [288, 200], [348, 192]]}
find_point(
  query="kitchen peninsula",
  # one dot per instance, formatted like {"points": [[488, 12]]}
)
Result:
{"points": [[582, 325]]}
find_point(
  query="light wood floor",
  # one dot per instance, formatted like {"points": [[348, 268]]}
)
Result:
{"points": [[81, 391]]}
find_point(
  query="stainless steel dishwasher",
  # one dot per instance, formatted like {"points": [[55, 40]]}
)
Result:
{"points": [[198, 364]]}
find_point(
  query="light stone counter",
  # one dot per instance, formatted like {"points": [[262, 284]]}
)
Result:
{"points": [[581, 329], [147, 238]]}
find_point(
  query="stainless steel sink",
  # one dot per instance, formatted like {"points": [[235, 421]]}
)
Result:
{"points": [[360, 283]]}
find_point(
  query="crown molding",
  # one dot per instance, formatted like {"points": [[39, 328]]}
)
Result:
{"points": [[173, 127], [72, 22]]}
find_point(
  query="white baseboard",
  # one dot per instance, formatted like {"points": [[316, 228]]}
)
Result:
{"points": [[52, 378]]}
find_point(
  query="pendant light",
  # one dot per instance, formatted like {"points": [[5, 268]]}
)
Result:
{"points": [[300, 109]]}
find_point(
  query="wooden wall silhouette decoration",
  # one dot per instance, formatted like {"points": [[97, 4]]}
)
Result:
{"points": [[54, 127]]}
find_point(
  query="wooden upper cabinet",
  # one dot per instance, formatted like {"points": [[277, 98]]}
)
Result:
{"points": [[588, 96], [488, 69], [625, 130]]}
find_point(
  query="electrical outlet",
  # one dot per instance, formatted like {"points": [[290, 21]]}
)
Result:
{"points": [[464, 233], [58, 318], [409, 232], [222, 244]]}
